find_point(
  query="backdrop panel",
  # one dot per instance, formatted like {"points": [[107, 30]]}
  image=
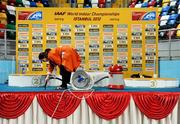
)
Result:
{"points": [[102, 37]]}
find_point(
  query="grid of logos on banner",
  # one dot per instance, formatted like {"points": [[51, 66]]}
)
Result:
{"points": [[132, 43]]}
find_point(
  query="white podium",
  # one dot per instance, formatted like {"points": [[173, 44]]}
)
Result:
{"points": [[151, 82], [29, 80], [32, 80]]}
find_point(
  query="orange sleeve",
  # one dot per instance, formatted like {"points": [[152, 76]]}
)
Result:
{"points": [[54, 59]]}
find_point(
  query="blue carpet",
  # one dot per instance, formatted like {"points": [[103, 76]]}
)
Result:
{"points": [[6, 88]]}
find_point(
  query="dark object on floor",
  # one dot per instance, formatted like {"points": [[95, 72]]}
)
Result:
{"points": [[139, 76], [146, 76], [135, 75], [61, 88]]}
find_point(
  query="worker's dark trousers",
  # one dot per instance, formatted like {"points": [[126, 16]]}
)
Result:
{"points": [[66, 76]]}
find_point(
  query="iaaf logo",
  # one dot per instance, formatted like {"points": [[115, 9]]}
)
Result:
{"points": [[149, 16], [59, 13], [35, 16]]}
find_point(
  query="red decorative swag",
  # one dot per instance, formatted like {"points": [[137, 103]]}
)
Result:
{"points": [[59, 105], [156, 105], [13, 105], [108, 105]]}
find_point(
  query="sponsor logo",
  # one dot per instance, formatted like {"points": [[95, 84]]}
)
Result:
{"points": [[35, 16], [30, 15], [149, 16], [146, 16]]}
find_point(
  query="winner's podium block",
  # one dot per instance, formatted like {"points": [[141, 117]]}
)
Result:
{"points": [[31, 80], [151, 82]]}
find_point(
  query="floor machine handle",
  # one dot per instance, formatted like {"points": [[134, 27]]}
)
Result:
{"points": [[50, 79]]}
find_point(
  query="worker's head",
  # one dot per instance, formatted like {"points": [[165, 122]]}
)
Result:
{"points": [[43, 56]]}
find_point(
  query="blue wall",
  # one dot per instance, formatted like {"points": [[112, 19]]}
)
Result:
{"points": [[167, 68], [6, 67]]}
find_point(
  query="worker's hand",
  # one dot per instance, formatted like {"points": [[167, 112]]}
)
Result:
{"points": [[47, 77]]}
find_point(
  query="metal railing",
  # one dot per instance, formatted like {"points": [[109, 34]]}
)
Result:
{"points": [[169, 44], [7, 45]]}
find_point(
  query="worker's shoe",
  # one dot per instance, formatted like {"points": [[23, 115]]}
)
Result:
{"points": [[61, 88]]}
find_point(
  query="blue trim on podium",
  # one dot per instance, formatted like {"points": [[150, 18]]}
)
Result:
{"points": [[6, 88]]}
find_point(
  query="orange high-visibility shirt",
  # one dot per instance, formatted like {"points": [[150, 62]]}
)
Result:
{"points": [[64, 55]]}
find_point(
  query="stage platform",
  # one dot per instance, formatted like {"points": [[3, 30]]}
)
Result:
{"points": [[31, 80], [6, 88], [100, 105]]}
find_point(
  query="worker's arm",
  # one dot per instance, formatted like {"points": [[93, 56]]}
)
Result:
{"points": [[50, 67], [50, 70]]}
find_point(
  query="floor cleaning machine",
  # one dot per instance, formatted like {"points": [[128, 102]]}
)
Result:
{"points": [[82, 80]]}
